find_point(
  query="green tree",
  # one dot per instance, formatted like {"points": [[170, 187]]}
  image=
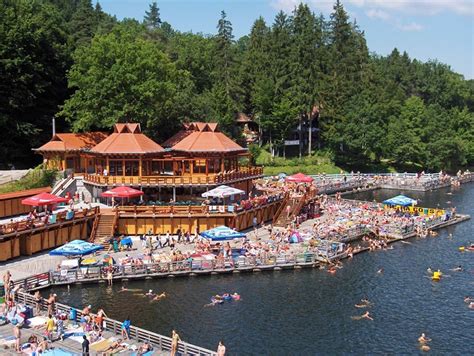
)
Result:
{"points": [[123, 77], [152, 18], [33, 62]]}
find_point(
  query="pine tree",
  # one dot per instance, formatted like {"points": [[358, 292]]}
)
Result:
{"points": [[224, 41], [152, 18]]}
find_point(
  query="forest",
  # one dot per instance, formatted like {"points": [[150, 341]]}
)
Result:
{"points": [[70, 60]]}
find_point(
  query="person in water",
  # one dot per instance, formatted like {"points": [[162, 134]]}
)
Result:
{"points": [[160, 296], [457, 269], [468, 299], [380, 271], [366, 315], [150, 293], [423, 339]]}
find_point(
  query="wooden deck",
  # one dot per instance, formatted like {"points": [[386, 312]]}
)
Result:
{"points": [[161, 344]]}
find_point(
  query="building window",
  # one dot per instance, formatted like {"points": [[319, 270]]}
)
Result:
{"points": [[199, 166], [115, 168], [131, 168]]}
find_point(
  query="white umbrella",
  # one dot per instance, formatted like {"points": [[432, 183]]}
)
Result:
{"points": [[222, 191]]}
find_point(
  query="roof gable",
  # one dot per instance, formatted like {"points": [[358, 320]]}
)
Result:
{"points": [[127, 138], [203, 137]]}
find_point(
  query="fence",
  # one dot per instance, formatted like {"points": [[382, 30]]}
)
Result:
{"points": [[183, 267]]}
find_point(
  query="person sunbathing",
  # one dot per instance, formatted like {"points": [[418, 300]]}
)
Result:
{"points": [[146, 347], [115, 347]]}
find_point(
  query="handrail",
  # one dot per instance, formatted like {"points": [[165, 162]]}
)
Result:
{"points": [[281, 208], [136, 333], [94, 228]]}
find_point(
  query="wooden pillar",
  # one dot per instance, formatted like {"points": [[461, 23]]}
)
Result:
{"points": [[107, 165], [222, 164], [123, 167], [140, 166], [207, 167]]}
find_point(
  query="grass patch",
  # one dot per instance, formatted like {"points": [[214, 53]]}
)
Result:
{"points": [[37, 178], [319, 162]]}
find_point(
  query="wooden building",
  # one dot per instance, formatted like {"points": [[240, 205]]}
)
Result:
{"points": [[10, 203], [199, 157], [68, 151]]}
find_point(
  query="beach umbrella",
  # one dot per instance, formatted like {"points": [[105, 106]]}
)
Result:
{"points": [[76, 248], [43, 199], [122, 192], [400, 200], [299, 178], [222, 191]]}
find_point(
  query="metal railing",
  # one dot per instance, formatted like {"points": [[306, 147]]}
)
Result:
{"points": [[165, 268], [114, 326]]}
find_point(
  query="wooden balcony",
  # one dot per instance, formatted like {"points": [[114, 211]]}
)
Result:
{"points": [[173, 181]]}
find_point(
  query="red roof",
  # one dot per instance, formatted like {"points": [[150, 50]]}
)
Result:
{"points": [[203, 137], [73, 141], [127, 138]]}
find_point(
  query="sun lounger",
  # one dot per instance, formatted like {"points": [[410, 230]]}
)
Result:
{"points": [[101, 345]]}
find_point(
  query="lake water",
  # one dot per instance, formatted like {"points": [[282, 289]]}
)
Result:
{"points": [[308, 312]]}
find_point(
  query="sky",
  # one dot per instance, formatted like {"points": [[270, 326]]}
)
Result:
{"points": [[440, 30]]}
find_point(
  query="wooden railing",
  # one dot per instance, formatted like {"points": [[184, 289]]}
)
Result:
{"points": [[114, 326], [187, 210], [94, 228], [196, 179], [30, 225]]}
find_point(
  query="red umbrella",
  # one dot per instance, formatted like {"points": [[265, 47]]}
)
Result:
{"points": [[43, 199], [299, 178], [122, 192]]}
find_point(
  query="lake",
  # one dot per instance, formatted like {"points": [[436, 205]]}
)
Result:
{"points": [[308, 312]]}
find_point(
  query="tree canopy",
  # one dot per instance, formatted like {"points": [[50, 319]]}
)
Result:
{"points": [[72, 60]]}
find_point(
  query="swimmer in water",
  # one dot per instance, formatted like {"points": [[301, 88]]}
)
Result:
{"points": [[150, 293], [364, 303], [123, 289], [457, 269], [380, 271], [429, 270], [423, 339], [450, 236], [468, 299], [366, 315], [471, 305], [159, 296]]}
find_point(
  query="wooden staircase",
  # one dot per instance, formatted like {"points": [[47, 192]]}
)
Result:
{"points": [[282, 218], [104, 228]]}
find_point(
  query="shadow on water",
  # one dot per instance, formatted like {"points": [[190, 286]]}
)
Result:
{"points": [[308, 312]]}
